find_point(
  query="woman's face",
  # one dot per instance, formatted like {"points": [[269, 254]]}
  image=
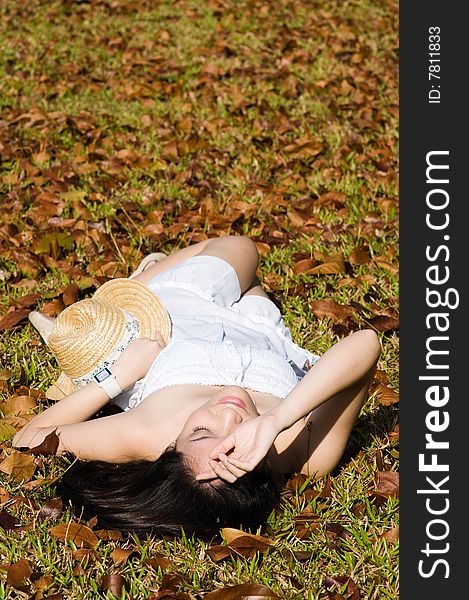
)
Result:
{"points": [[212, 422]]}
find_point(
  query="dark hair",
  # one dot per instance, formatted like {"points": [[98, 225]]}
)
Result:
{"points": [[163, 497]]}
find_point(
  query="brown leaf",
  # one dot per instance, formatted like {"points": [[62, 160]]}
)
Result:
{"points": [[85, 555], [122, 555], [331, 309], [385, 395], [28, 300], [296, 482], [243, 591], [304, 265], [7, 521], [339, 581], [17, 405], [392, 535], [359, 256], [20, 466], [5, 374], [302, 554], [109, 534], [158, 560], [384, 323], [53, 308], [80, 535], [380, 377], [146, 121], [334, 264], [335, 199], [14, 317], [18, 575], [114, 583], [170, 151], [36, 483], [70, 294], [220, 552], [52, 509], [244, 543], [263, 248], [295, 218], [230, 535], [48, 446], [326, 491], [184, 125], [387, 483]]}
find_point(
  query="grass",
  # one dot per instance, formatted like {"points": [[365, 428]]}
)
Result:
{"points": [[233, 86]]}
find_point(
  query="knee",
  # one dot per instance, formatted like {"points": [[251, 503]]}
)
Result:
{"points": [[372, 342], [248, 247], [242, 247]]}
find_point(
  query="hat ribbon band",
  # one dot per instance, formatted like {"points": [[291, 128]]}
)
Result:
{"points": [[131, 332]]}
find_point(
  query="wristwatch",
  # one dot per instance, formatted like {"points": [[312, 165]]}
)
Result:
{"points": [[106, 379]]}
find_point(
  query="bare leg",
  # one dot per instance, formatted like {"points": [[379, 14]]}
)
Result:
{"points": [[239, 251], [255, 289]]}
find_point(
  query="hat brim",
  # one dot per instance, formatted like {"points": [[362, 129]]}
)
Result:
{"points": [[139, 300], [61, 388]]}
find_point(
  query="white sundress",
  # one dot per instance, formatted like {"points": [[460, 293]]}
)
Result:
{"points": [[219, 338]]}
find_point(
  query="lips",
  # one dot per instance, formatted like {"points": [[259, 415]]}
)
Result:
{"points": [[232, 400]]}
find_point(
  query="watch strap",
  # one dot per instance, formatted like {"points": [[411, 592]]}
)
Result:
{"points": [[106, 379]]}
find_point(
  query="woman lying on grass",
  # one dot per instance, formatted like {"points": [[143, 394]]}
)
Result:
{"points": [[219, 404]]}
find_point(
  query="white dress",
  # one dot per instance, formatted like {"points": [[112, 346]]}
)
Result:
{"points": [[219, 338]]}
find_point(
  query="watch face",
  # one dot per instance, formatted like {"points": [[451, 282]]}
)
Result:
{"points": [[102, 375]]}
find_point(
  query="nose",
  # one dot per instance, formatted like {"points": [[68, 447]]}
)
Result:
{"points": [[229, 418]]}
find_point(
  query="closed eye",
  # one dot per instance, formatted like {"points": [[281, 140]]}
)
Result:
{"points": [[204, 437]]}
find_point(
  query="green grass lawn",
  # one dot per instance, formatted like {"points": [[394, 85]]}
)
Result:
{"points": [[135, 126]]}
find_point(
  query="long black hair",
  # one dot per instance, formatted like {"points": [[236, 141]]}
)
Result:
{"points": [[163, 497]]}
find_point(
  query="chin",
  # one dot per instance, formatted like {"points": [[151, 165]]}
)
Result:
{"points": [[241, 393]]}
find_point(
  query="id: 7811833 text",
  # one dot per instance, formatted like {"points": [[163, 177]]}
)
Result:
{"points": [[434, 68]]}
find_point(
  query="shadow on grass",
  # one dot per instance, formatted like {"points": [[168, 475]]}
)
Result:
{"points": [[367, 429]]}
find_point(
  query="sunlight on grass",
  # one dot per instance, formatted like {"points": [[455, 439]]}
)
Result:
{"points": [[205, 103]]}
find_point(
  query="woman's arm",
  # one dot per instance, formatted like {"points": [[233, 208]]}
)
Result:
{"points": [[107, 438], [342, 367]]}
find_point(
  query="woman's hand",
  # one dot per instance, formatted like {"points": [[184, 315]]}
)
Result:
{"points": [[135, 361], [248, 443]]}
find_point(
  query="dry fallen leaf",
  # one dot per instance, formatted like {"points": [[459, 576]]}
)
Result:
{"points": [[332, 309], [333, 265], [392, 535], [17, 405], [7, 521], [20, 466], [387, 483], [52, 509], [80, 535], [122, 555], [384, 323], [18, 575], [13, 318], [338, 582], [114, 583], [48, 446], [243, 591], [385, 395]]}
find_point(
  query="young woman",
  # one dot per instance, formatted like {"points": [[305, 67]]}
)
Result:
{"points": [[216, 410]]}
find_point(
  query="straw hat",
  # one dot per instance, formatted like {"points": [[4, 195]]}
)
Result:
{"points": [[92, 333]]}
